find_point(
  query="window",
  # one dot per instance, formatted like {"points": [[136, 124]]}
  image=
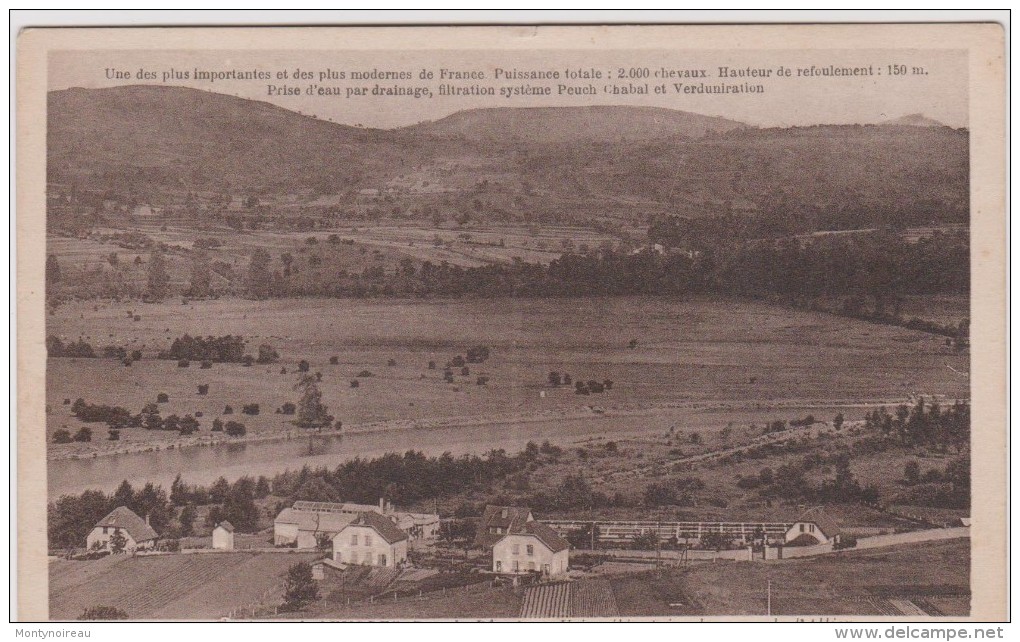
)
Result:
{"points": [[499, 566], [368, 540], [531, 549], [517, 549], [354, 540], [105, 530], [811, 528], [382, 560], [801, 528], [545, 569]]}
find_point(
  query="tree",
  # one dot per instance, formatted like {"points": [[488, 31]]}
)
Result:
{"points": [[259, 277], [267, 354], [158, 284], [117, 542], [52, 270], [239, 507], [300, 588], [187, 519], [235, 429], [84, 434], [912, 472], [837, 421], [62, 437], [554, 378], [312, 413], [201, 275]]}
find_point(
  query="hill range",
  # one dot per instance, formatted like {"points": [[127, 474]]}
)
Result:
{"points": [[156, 143]]}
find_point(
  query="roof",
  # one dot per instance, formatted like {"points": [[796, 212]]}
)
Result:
{"points": [[333, 507], [822, 520], [382, 525], [492, 517], [225, 525], [307, 520], [545, 534], [124, 517]]}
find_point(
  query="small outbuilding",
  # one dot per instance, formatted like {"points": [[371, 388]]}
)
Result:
{"points": [[122, 522], [223, 536]]}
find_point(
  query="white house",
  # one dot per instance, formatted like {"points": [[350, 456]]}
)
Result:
{"points": [[531, 547], [137, 533], [223, 536], [813, 527], [371, 540]]}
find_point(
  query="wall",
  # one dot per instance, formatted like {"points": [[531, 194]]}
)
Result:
{"points": [[284, 533], [96, 535]]}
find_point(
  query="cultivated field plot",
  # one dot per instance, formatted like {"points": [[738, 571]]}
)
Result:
{"points": [[195, 586], [470, 604], [702, 351], [934, 577]]}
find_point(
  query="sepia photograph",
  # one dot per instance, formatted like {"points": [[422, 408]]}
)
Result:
{"points": [[512, 323]]}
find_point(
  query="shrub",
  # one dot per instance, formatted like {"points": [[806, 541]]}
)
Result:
{"points": [[267, 354], [217, 425], [235, 429], [62, 437], [203, 388], [288, 409], [432, 365], [183, 363], [477, 354], [457, 362], [162, 397], [114, 434], [250, 409], [554, 378], [85, 434], [247, 360], [845, 541], [364, 373], [303, 366], [391, 362], [355, 383], [334, 360], [206, 365], [481, 381], [228, 410]]}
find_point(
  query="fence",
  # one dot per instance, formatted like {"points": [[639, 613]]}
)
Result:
{"points": [[626, 531]]}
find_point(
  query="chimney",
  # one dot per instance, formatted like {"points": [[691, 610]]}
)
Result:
{"points": [[382, 504], [504, 513], [147, 520]]}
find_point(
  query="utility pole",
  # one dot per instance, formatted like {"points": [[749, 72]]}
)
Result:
{"points": [[768, 598]]}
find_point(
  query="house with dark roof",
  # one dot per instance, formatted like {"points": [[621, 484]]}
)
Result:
{"points": [[497, 521], [137, 533], [531, 547], [371, 539], [815, 526], [306, 528]]}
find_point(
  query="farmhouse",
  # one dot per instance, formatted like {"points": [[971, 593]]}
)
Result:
{"points": [[371, 540], [531, 547], [307, 523], [223, 536], [813, 527], [308, 528], [137, 533], [497, 522]]}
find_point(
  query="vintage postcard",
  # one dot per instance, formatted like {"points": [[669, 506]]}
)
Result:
{"points": [[498, 323]]}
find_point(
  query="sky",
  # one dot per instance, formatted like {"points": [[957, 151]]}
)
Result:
{"points": [[940, 92]]}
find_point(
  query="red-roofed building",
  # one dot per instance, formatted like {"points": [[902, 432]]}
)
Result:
{"points": [[137, 533], [531, 547]]}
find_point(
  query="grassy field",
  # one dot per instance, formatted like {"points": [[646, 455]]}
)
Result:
{"points": [[732, 355], [850, 583], [200, 586]]}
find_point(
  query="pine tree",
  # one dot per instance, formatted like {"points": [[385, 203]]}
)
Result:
{"points": [[301, 587], [312, 412], [201, 276]]}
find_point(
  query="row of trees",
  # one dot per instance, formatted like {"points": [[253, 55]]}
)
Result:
{"points": [[924, 424]]}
